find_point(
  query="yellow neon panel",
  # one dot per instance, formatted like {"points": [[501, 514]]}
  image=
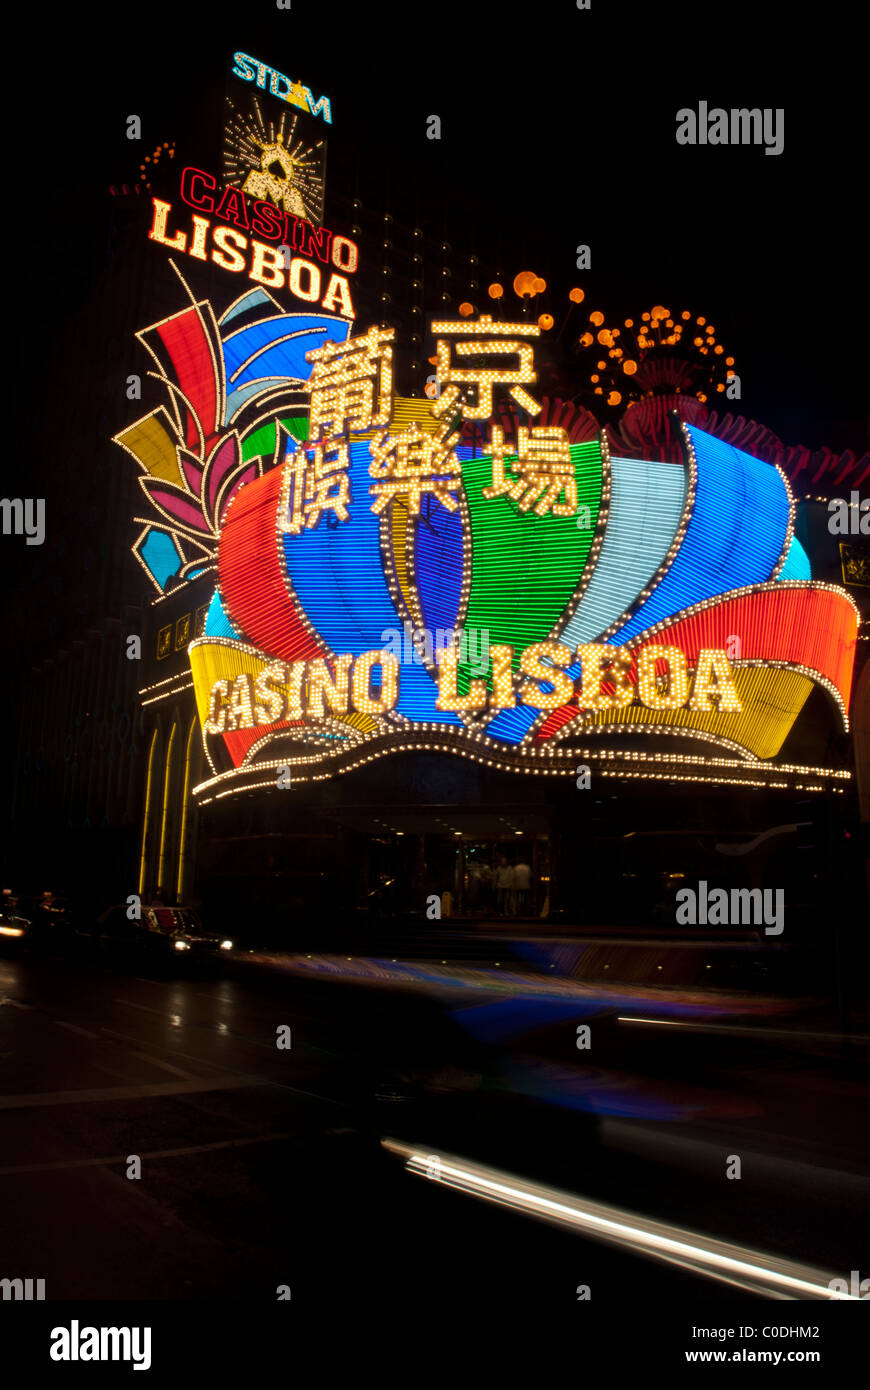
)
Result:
{"points": [[772, 698], [167, 776], [401, 539], [212, 661], [185, 792], [143, 857], [152, 445], [407, 410], [365, 723]]}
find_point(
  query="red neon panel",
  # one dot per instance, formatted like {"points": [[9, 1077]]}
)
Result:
{"points": [[816, 628], [186, 341], [252, 578], [239, 741]]}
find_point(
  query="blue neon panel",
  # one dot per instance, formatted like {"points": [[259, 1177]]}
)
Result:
{"points": [[161, 555], [284, 359], [438, 549], [512, 724], [340, 584], [646, 503], [735, 535], [217, 624], [797, 562]]}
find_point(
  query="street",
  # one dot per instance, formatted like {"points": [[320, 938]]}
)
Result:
{"points": [[263, 1167]]}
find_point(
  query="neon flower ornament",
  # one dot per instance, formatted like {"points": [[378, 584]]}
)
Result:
{"points": [[228, 383]]}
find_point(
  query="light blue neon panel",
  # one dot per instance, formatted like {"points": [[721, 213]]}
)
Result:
{"points": [[161, 555], [797, 562], [237, 399], [646, 503], [217, 624], [252, 300]]}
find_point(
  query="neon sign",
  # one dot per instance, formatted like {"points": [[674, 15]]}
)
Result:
{"points": [[268, 265], [311, 689], [199, 190], [602, 595], [251, 70]]}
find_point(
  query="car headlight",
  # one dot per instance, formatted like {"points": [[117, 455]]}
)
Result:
{"points": [[226, 945], [182, 946]]}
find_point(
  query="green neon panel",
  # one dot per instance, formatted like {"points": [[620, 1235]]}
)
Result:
{"points": [[525, 568], [262, 441]]}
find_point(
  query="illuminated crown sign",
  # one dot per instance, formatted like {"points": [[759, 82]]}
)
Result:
{"points": [[381, 587]]}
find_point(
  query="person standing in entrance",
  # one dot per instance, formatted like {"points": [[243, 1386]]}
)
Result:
{"points": [[522, 887], [504, 883], [487, 887]]}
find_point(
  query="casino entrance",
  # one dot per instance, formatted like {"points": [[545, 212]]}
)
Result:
{"points": [[332, 876], [420, 839], [415, 843], [453, 863]]}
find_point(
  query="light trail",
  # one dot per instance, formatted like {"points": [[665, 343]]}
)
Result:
{"points": [[768, 1276]]}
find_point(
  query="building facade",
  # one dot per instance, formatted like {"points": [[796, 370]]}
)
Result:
{"points": [[290, 739]]}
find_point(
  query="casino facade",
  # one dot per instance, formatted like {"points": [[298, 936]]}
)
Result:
{"points": [[428, 591]]}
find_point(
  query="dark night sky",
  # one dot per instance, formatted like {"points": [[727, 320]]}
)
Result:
{"points": [[558, 127]]}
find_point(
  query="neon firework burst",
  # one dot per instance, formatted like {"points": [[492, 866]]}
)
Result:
{"points": [[653, 352]]}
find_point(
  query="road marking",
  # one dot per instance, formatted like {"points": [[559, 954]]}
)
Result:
{"points": [[111, 1071], [156, 1153], [74, 1028], [144, 1007], [141, 1092], [167, 1066], [173, 1051], [203, 1062]]}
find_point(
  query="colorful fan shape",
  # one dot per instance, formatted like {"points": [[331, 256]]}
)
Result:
{"points": [[694, 556], [697, 556]]}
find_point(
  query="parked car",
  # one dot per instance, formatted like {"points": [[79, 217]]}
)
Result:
{"points": [[159, 934], [55, 924], [14, 925]]}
